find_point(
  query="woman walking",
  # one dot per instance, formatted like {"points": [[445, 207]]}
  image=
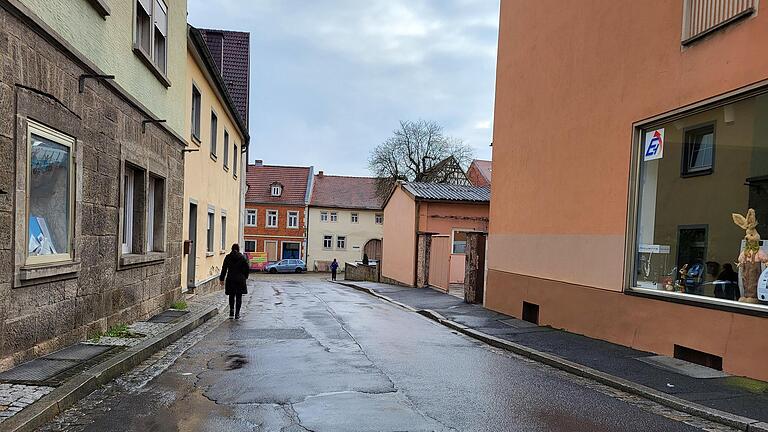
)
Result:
{"points": [[235, 270], [334, 268]]}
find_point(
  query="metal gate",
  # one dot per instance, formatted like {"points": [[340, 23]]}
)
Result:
{"points": [[439, 261]]}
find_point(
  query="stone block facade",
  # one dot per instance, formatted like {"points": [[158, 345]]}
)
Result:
{"points": [[44, 307], [361, 272]]}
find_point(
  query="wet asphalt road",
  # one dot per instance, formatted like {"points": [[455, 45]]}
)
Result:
{"points": [[311, 355]]}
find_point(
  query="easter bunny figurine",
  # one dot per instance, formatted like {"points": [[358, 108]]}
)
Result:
{"points": [[751, 258]]}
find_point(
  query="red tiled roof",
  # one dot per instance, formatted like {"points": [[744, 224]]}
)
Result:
{"points": [[483, 167], [231, 52], [293, 179], [345, 192]]}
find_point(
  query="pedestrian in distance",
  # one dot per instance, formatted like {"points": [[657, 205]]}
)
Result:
{"points": [[334, 268], [235, 271]]}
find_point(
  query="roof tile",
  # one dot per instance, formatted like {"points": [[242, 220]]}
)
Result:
{"points": [[345, 192], [260, 179]]}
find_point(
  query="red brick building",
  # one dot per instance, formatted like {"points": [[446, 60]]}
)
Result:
{"points": [[276, 203], [479, 173]]}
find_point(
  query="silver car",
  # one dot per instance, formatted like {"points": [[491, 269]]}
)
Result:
{"points": [[286, 266]]}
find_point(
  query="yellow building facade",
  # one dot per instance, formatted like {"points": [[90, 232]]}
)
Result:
{"points": [[214, 170]]}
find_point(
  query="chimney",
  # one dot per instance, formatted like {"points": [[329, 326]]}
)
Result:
{"points": [[319, 173], [258, 162]]}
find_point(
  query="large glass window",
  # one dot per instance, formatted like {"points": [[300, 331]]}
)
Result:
{"points": [[699, 177], [50, 222]]}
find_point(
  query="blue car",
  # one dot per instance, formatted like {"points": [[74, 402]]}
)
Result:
{"points": [[286, 266]]}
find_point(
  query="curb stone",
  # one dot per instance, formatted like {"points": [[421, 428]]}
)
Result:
{"points": [[84, 383], [679, 404]]}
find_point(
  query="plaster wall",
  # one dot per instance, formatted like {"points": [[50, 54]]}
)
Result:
{"points": [[399, 245], [357, 235]]}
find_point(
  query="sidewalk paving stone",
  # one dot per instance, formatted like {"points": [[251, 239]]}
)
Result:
{"points": [[729, 394]]}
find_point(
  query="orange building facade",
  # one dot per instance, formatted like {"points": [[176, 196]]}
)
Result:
{"points": [[276, 211], [625, 136]]}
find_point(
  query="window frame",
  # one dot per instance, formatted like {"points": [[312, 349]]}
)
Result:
{"points": [[214, 134], [267, 223], [245, 246], [323, 216], [60, 138], [223, 221], [234, 161], [276, 190], [149, 57], [632, 226], [288, 220], [197, 113], [334, 217], [210, 232], [255, 213], [685, 168], [328, 238], [128, 194], [378, 218], [225, 154], [341, 242], [354, 217]]}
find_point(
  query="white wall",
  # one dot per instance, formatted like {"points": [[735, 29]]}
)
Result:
{"points": [[357, 235]]}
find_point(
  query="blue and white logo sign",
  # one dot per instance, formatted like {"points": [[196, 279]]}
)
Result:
{"points": [[654, 145]]}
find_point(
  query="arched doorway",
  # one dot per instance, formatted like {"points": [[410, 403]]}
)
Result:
{"points": [[373, 249]]}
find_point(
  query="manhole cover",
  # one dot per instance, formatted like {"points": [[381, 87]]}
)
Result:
{"points": [[271, 333], [41, 369], [167, 316], [80, 352]]}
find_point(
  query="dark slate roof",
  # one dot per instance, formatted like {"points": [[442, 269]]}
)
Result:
{"points": [[231, 53], [293, 179], [448, 192], [345, 192]]}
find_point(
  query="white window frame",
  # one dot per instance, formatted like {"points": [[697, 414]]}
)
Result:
{"points": [[276, 190], [223, 232], [129, 182], [295, 216], [379, 218], [234, 160], [156, 8], [245, 246], [150, 206], [355, 218], [65, 140], [334, 217], [327, 242], [210, 231], [323, 216], [214, 133], [197, 108], [341, 242], [270, 214], [248, 214], [226, 150]]}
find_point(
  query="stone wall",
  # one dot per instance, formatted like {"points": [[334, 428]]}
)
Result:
{"points": [[361, 272], [43, 308]]}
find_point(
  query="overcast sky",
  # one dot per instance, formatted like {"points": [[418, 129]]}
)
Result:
{"points": [[330, 79]]}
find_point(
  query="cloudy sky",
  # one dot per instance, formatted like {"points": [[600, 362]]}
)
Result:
{"points": [[330, 79]]}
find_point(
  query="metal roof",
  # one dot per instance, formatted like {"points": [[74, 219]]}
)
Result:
{"points": [[448, 192]]}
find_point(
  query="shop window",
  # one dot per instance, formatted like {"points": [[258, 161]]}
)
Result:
{"points": [[250, 246], [134, 214], [699, 151], [50, 197], [293, 219], [696, 236], [210, 231], [250, 217], [156, 214], [272, 219], [341, 242], [327, 242]]}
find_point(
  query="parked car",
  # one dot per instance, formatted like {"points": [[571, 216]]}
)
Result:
{"points": [[286, 266]]}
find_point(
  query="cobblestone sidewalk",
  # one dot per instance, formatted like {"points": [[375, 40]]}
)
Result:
{"points": [[16, 397]]}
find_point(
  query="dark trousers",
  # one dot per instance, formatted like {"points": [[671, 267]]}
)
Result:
{"points": [[235, 301], [333, 274]]}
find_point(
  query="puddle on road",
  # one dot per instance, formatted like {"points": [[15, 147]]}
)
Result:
{"points": [[236, 361]]}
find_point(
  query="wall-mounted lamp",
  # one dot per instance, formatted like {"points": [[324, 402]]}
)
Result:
{"points": [[83, 77]]}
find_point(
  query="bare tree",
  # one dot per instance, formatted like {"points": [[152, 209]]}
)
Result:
{"points": [[417, 151]]}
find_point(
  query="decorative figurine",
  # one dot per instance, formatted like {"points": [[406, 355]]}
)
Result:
{"points": [[752, 258], [680, 283]]}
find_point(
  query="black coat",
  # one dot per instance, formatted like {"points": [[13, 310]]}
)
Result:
{"points": [[235, 270]]}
